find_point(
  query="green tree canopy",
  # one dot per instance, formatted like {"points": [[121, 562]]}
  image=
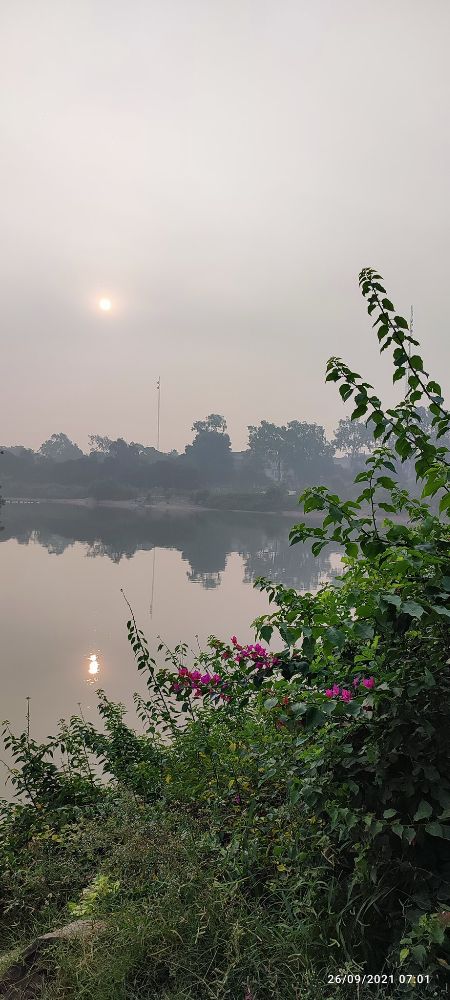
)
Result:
{"points": [[59, 448], [297, 449], [214, 422], [210, 451], [352, 437]]}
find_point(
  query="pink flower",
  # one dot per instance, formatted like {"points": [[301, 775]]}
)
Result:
{"points": [[355, 682], [216, 678], [369, 682], [226, 654], [346, 694], [336, 690], [195, 675], [329, 693], [183, 671], [205, 679]]}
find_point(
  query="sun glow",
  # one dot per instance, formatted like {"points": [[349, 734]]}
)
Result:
{"points": [[105, 305], [94, 665]]}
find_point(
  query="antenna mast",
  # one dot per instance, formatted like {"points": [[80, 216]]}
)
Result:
{"points": [[411, 329], [158, 386]]}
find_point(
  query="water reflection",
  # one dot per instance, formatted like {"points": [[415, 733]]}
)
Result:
{"points": [[94, 665], [62, 612], [205, 539]]}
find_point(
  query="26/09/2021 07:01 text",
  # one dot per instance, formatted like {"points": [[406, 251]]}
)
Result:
{"points": [[379, 979]]}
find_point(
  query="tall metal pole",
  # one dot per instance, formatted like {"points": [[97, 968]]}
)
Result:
{"points": [[158, 386], [411, 328]]}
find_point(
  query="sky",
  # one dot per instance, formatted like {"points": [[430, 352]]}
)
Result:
{"points": [[221, 170]]}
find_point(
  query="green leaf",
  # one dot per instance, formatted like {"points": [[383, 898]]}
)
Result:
{"points": [[389, 813], [404, 954], [388, 305], [412, 609], [271, 702], [359, 412], [363, 630], [400, 321], [445, 612], [419, 952], [386, 482], [351, 550], [423, 811], [444, 504], [345, 391], [335, 636], [434, 829], [392, 599]]}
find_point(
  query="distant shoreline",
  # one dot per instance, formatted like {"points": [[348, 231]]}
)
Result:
{"points": [[136, 505]]}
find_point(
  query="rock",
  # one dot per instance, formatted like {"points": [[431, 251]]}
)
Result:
{"points": [[23, 977]]}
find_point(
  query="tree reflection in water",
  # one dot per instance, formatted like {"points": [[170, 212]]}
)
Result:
{"points": [[205, 539]]}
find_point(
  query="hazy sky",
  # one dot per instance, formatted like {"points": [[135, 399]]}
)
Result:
{"points": [[222, 169]]}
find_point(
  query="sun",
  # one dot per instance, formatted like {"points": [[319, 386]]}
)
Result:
{"points": [[105, 305]]}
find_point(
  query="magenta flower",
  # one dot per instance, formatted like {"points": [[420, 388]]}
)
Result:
{"points": [[355, 682], [183, 671], [336, 690], [329, 693], [205, 679], [369, 682], [346, 694]]}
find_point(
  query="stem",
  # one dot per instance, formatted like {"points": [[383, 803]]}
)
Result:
{"points": [[415, 371], [85, 753], [145, 653]]}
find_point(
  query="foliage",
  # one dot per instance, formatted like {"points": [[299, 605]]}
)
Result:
{"points": [[352, 437], [60, 448], [287, 813], [214, 423], [210, 451], [297, 449]]}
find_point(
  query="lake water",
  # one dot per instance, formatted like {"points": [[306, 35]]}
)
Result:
{"points": [[184, 573]]}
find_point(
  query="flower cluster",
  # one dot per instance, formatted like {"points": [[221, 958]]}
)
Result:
{"points": [[345, 694], [193, 682], [259, 657]]}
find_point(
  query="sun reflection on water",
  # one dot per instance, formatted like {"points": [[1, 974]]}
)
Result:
{"points": [[94, 665]]}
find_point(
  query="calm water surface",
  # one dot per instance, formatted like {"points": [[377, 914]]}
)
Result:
{"points": [[62, 570]]}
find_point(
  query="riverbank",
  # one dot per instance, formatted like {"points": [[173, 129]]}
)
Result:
{"points": [[141, 505]]}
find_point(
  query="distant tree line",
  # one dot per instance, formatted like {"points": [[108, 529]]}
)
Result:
{"points": [[291, 455]]}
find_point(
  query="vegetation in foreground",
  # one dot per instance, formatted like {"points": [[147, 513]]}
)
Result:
{"points": [[282, 828]]}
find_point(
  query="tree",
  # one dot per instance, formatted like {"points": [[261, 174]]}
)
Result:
{"points": [[352, 437], [99, 444], [210, 451], [266, 443], [297, 449], [59, 448], [215, 422], [307, 453]]}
